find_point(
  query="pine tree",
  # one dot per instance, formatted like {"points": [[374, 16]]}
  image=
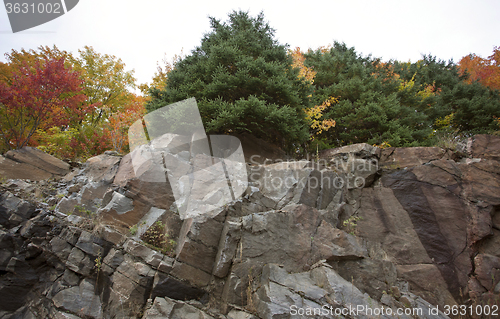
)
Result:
{"points": [[369, 107], [243, 80], [471, 107]]}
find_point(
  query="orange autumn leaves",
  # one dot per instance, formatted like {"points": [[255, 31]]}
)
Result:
{"points": [[298, 57], [79, 106], [73, 107], [484, 70], [119, 122], [40, 96]]}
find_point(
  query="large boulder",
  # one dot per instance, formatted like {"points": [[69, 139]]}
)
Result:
{"points": [[485, 146], [102, 168], [300, 237], [39, 159], [322, 293], [15, 170], [31, 163]]}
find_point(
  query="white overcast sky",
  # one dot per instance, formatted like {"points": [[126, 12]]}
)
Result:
{"points": [[140, 32]]}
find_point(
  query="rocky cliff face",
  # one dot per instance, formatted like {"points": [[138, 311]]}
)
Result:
{"points": [[357, 228]]}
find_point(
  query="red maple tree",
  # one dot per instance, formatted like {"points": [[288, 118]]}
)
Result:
{"points": [[41, 95]]}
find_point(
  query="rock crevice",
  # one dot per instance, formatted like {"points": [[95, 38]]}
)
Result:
{"points": [[398, 227]]}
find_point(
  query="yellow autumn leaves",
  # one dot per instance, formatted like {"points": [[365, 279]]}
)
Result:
{"points": [[315, 113]]}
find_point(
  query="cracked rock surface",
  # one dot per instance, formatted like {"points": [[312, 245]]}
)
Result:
{"points": [[361, 228]]}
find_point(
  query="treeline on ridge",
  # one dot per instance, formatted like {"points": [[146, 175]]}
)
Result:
{"points": [[244, 80]]}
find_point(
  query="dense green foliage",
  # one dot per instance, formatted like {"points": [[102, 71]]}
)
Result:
{"points": [[245, 81], [242, 80], [369, 108], [470, 106], [402, 104]]}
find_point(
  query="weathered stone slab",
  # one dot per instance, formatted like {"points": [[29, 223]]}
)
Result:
{"points": [[14, 170], [395, 158], [39, 159], [102, 168], [485, 146], [194, 276], [80, 299]]}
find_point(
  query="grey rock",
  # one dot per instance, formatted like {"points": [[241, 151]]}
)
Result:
{"points": [[71, 278], [126, 297], [161, 308], [15, 205], [67, 205], [331, 244], [91, 194], [114, 258], [228, 245], [62, 315], [71, 234], [39, 159], [112, 236], [485, 146], [80, 299], [79, 262], [61, 248], [102, 168], [195, 252], [237, 314], [169, 308], [166, 265], [87, 243], [369, 275], [138, 272], [487, 269], [119, 204], [396, 158], [166, 286], [194, 276], [149, 255], [13, 210]]}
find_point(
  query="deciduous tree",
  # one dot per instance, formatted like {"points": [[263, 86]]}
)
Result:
{"points": [[484, 70], [119, 123], [40, 96], [161, 74], [106, 83], [106, 86]]}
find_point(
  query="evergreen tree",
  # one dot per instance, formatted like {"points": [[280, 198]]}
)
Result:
{"points": [[242, 80], [369, 108], [470, 107]]}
